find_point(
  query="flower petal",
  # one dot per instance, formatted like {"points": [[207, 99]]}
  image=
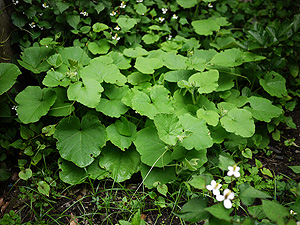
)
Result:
{"points": [[209, 187], [237, 174], [220, 198], [230, 173], [227, 204], [216, 192]]}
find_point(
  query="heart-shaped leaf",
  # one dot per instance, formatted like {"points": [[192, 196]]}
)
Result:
{"points": [[8, 76]]}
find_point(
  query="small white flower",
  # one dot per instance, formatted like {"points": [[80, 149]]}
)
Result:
{"points": [[298, 223], [117, 28], [45, 5], [210, 5], [226, 197], [292, 212], [169, 38], [113, 13], [139, 1], [42, 28], [122, 6], [32, 25], [175, 17], [41, 14], [233, 170], [15, 2], [161, 19], [164, 10], [46, 46], [116, 37], [84, 13], [14, 107], [214, 187]]}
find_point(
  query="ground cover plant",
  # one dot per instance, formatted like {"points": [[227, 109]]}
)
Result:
{"points": [[178, 96]]}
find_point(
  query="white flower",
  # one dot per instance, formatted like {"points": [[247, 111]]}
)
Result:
{"points": [[139, 1], [226, 197], [161, 19], [169, 38], [15, 2], [84, 13], [32, 25], [41, 14], [45, 5], [233, 170], [298, 223], [116, 37], [46, 46], [122, 6], [210, 5], [214, 187], [117, 28], [175, 17], [42, 28], [113, 13], [164, 10], [292, 212]]}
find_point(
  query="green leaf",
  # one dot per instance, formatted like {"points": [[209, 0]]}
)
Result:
{"points": [[120, 164], [228, 58], [33, 103], [94, 171], [247, 153], [147, 65], [219, 211], [248, 194], [224, 161], [150, 38], [44, 188], [87, 92], [141, 9], [194, 210], [206, 81], [113, 106], [157, 102], [73, 20], [81, 142], [273, 210], [35, 59], [267, 172], [199, 182], [162, 189], [296, 169], [4, 175], [135, 52], [119, 60], [74, 53], [62, 106], [274, 84], [98, 27], [99, 47], [239, 121], [168, 128], [8, 76], [174, 62], [187, 4], [122, 133], [198, 135], [25, 174], [262, 109], [55, 60], [152, 175], [178, 75], [62, 6], [70, 173], [100, 71], [54, 79], [211, 117], [205, 27], [152, 150], [126, 23]]}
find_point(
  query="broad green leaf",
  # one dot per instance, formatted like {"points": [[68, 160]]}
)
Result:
{"points": [[196, 63], [153, 175], [147, 65], [137, 78], [126, 23], [62, 106], [141, 9], [122, 62], [156, 102], [135, 52], [54, 79], [99, 71], [44, 188], [94, 171], [198, 136], [248, 194], [70, 173], [8, 76], [5, 110], [121, 133], [62, 6], [206, 81], [211, 117], [150, 38], [247, 153], [274, 84], [33, 103], [233, 96], [178, 75], [153, 151], [174, 62], [205, 27], [121, 164], [55, 60], [194, 210], [80, 142], [25, 174], [224, 161], [4, 175], [35, 59], [296, 169], [87, 92], [199, 182], [262, 109], [219, 211], [239, 121], [256, 211], [73, 20], [187, 4], [162, 189], [228, 58], [274, 210], [112, 105], [98, 27], [99, 47], [168, 127], [74, 53]]}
